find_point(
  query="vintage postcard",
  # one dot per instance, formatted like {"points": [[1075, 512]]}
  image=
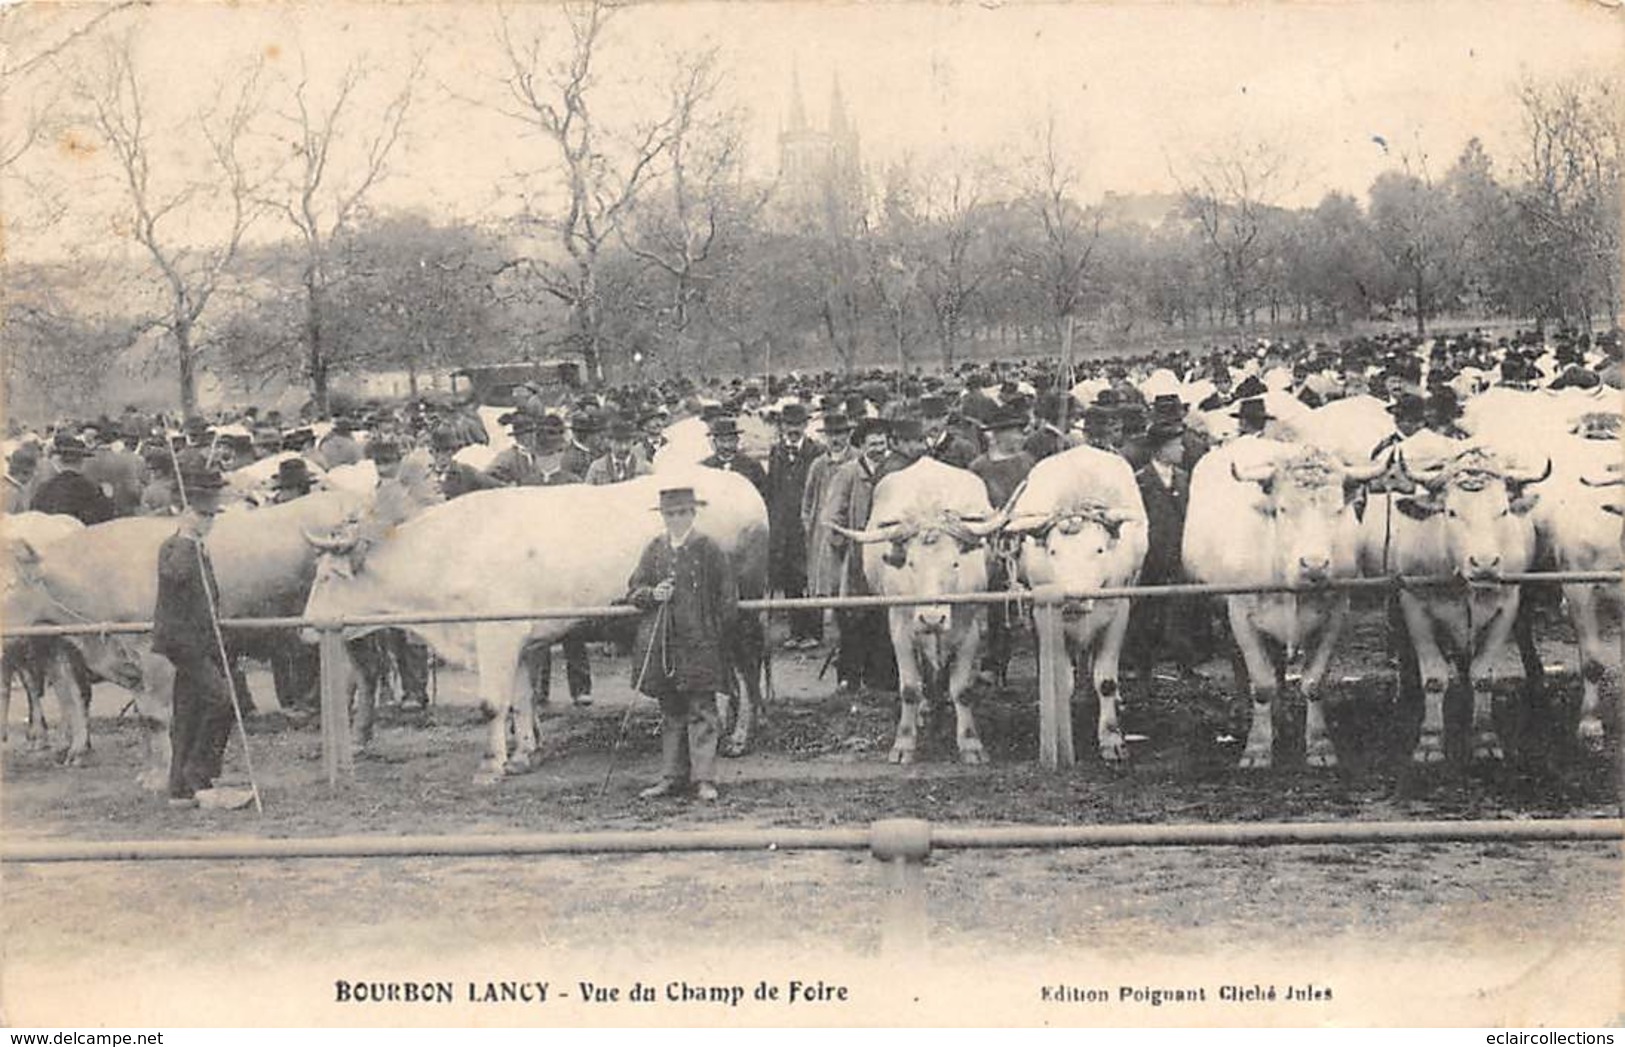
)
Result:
{"points": [[590, 513]]}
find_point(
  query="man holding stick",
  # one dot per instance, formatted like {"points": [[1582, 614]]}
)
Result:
{"points": [[183, 630], [687, 581]]}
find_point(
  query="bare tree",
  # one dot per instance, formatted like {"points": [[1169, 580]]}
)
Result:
{"points": [[325, 191], [678, 232], [1570, 198], [604, 173], [32, 39], [220, 196], [956, 262], [1059, 260], [1229, 198]]}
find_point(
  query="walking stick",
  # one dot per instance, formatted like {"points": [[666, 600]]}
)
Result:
{"points": [[220, 643], [655, 634]]}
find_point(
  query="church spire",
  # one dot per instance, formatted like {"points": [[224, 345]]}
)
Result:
{"points": [[798, 111], [837, 108]]}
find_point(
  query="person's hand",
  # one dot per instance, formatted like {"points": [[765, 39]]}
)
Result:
{"points": [[663, 591]]}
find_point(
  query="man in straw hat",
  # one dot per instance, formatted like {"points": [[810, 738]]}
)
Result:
{"points": [[183, 630], [680, 659]]}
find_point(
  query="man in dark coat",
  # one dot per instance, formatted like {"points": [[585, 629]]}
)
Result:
{"points": [[455, 478], [1002, 469], [725, 437], [69, 492], [787, 467], [680, 658], [865, 656], [1168, 625], [941, 442], [183, 630]]}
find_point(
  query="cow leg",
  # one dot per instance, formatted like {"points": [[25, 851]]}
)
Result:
{"points": [[154, 703], [909, 690], [65, 676], [1108, 732], [24, 660], [968, 628], [1486, 744], [497, 647], [747, 653], [1582, 601], [367, 655], [1261, 685], [1435, 674], [1317, 741]]}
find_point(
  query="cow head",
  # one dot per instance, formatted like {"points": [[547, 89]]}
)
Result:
{"points": [[1483, 506], [1075, 547], [939, 557], [26, 600], [1306, 497]]}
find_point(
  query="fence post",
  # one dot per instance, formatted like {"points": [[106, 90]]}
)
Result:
{"points": [[1054, 708], [337, 759], [903, 844]]}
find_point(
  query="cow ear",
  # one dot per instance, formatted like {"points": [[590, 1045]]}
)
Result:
{"points": [[1415, 508], [897, 555], [1524, 502], [1615, 508], [1113, 527]]}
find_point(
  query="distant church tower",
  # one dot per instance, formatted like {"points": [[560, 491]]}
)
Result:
{"points": [[820, 171]]}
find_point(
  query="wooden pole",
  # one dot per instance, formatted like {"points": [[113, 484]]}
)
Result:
{"points": [[337, 759], [1047, 617], [903, 844]]}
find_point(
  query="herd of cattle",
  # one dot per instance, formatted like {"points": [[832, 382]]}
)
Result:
{"points": [[1534, 485]]}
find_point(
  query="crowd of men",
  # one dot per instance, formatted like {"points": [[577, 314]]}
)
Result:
{"points": [[996, 420]]}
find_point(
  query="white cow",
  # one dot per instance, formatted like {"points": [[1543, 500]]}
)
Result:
{"points": [[37, 658], [925, 538], [1083, 527], [1471, 519], [1270, 512], [517, 548]]}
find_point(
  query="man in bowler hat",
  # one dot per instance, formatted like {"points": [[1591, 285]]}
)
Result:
{"points": [[688, 584], [183, 630]]}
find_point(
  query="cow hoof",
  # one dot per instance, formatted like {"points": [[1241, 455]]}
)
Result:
{"points": [[1321, 756], [1256, 760], [901, 755], [1592, 735], [972, 754], [1487, 747], [153, 780], [519, 763], [1428, 750], [734, 750], [34, 745], [1114, 751], [74, 758]]}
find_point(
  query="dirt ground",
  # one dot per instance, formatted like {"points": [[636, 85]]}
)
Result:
{"points": [[1431, 933]]}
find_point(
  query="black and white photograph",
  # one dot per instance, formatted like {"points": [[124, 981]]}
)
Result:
{"points": [[684, 513]]}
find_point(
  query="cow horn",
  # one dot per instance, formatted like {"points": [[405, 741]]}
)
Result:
{"points": [[1605, 481], [1432, 479], [1030, 522], [894, 532], [1254, 475], [328, 544], [1528, 477]]}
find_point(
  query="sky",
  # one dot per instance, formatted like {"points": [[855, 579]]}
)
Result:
{"points": [[1137, 91]]}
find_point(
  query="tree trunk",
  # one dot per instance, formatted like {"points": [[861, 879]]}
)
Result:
{"points": [[188, 368], [315, 353], [1421, 303]]}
